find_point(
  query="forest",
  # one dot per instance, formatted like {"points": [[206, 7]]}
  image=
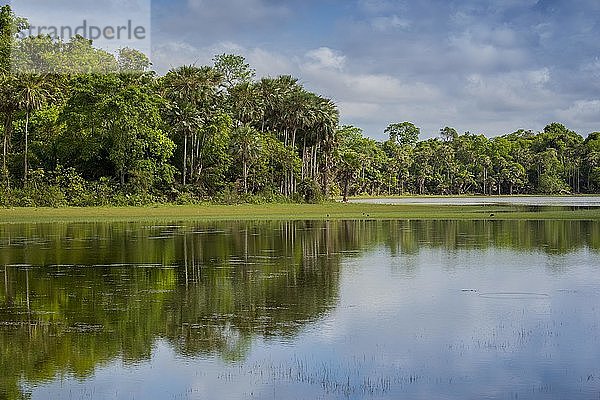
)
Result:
{"points": [[84, 127]]}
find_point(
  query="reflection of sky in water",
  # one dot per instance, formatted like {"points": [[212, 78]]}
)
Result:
{"points": [[564, 201], [434, 324]]}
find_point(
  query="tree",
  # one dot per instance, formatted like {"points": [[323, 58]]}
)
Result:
{"points": [[592, 161], [448, 134], [405, 133], [246, 143], [45, 55], [132, 61], [8, 107], [121, 127], [187, 90], [31, 94], [234, 69], [10, 26]]}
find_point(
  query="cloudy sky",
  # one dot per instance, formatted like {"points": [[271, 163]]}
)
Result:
{"points": [[481, 66]]}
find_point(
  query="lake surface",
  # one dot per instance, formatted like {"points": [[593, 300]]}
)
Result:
{"points": [[301, 310], [561, 201]]}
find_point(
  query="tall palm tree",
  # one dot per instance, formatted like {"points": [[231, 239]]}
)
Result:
{"points": [[247, 145], [182, 87], [8, 107], [191, 92], [32, 92], [245, 103], [328, 120], [268, 93]]}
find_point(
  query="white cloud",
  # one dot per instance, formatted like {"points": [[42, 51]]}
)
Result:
{"points": [[176, 53], [592, 68], [64, 19], [513, 91], [390, 23], [583, 111], [330, 75], [470, 52], [358, 110], [325, 57]]}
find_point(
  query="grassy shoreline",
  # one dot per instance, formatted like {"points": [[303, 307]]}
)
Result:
{"points": [[328, 211]]}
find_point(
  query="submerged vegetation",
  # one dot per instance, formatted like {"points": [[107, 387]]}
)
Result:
{"points": [[84, 127]]}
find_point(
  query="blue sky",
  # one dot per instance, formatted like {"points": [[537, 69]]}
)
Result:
{"points": [[487, 67]]}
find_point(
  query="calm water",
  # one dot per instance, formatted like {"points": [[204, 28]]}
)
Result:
{"points": [[562, 201], [301, 310]]}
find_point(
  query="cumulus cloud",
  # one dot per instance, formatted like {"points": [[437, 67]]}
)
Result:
{"points": [[483, 67], [514, 91], [325, 57], [174, 53], [470, 52]]}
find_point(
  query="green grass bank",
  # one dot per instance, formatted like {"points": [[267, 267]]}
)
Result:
{"points": [[331, 211]]}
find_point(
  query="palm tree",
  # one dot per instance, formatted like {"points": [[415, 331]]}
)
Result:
{"points": [[247, 146], [182, 87], [327, 121], [245, 103], [191, 92], [31, 94], [8, 106]]}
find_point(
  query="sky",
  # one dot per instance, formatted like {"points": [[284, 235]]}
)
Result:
{"points": [[489, 67]]}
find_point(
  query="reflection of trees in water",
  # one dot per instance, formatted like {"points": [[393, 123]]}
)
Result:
{"points": [[94, 292], [210, 292]]}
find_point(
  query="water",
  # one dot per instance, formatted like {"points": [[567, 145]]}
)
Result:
{"points": [[298, 310], [562, 201]]}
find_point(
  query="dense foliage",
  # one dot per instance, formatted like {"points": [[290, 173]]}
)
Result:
{"points": [[81, 126]]}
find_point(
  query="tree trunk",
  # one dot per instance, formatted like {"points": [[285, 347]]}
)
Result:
{"points": [[7, 132], [5, 174], [184, 166], [346, 186], [26, 167], [484, 181], [245, 177], [193, 158]]}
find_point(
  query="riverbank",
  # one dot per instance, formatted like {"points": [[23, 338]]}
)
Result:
{"points": [[328, 211]]}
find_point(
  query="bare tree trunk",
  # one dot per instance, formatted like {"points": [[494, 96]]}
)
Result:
{"points": [[346, 185], [484, 180], [184, 166], [26, 166], [245, 177], [7, 132], [193, 158]]}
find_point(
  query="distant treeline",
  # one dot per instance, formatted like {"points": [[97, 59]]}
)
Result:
{"points": [[81, 126]]}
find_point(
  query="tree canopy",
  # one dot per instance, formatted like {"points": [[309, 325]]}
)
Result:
{"points": [[74, 113]]}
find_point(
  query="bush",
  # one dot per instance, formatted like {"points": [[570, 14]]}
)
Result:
{"points": [[310, 191], [551, 184]]}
